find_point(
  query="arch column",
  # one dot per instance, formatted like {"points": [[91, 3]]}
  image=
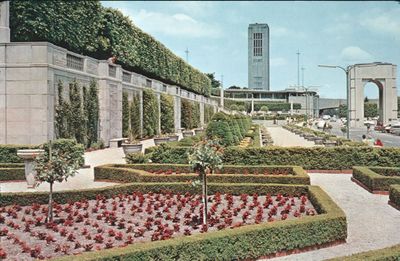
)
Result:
{"points": [[5, 22]]}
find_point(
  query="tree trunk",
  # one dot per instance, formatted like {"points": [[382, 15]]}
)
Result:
{"points": [[50, 213], [204, 197]]}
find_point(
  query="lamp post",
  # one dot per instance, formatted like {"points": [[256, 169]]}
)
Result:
{"points": [[347, 71]]}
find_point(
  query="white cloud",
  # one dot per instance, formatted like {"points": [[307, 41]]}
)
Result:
{"points": [[197, 8], [386, 22], [279, 61], [178, 24], [355, 54]]}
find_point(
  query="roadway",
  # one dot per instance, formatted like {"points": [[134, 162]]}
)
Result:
{"points": [[388, 140]]}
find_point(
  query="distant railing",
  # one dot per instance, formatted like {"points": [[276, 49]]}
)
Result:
{"points": [[74, 62]]}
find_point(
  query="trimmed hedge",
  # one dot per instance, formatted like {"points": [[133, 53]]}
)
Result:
{"points": [[384, 254], [373, 180], [88, 28], [394, 195], [12, 172], [308, 158], [229, 174], [247, 242], [151, 114], [167, 113], [8, 153]]}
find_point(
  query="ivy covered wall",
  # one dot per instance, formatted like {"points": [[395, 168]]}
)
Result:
{"points": [[88, 28]]}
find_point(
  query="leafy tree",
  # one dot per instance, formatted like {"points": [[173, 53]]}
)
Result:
{"points": [[92, 114], [370, 109], [61, 113], [264, 108], [135, 117], [150, 115], [234, 87], [55, 166], [366, 99], [77, 123], [214, 82], [125, 115], [186, 114], [234, 107], [205, 157], [167, 113]]}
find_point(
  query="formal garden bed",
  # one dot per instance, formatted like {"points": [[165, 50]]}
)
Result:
{"points": [[394, 196], [252, 221], [184, 173], [376, 179]]}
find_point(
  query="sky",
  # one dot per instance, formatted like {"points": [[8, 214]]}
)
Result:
{"points": [[334, 33]]}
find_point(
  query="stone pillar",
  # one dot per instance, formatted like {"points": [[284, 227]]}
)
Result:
{"points": [[4, 22], [177, 113], [201, 113], [104, 103], [141, 112], [159, 112]]}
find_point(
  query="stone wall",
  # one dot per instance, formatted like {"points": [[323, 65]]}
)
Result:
{"points": [[29, 73]]}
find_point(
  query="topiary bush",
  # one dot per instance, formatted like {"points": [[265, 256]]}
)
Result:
{"points": [[151, 115], [167, 113], [134, 114], [186, 114], [125, 116]]}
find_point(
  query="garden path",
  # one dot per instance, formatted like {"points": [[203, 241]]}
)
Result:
{"points": [[372, 223], [285, 138]]}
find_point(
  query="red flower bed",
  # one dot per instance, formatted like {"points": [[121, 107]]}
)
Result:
{"points": [[127, 219]]}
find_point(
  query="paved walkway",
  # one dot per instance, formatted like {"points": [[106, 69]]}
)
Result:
{"points": [[372, 223], [285, 138]]}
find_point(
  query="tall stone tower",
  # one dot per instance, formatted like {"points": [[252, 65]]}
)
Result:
{"points": [[258, 56]]}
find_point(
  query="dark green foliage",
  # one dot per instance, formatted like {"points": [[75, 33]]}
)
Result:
{"points": [[167, 114], [187, 141], [394, 195], [150, 115], [12, 172], [229, 174], [8, 153], [370, 109], [308, 158], [78, 118], [135, 158], [134, 114], [377, 179], [208, 113], [61, 113], [125, 115], [227, 128], [190, 114], [68, 147], [384, 254], [92, 114], [76, 121], [86, 27]]}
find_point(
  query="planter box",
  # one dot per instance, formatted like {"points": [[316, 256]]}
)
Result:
{"points": [[132, 148], [158, 141], [173, 138], [198, 131], [187, 133]]}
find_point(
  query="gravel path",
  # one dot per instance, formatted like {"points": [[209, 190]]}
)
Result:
{"points": [[372, 223], [285, 138]]}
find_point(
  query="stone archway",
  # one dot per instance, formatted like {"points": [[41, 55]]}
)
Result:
{"points": [[384, 76]]}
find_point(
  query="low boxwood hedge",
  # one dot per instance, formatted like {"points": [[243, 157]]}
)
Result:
{"points": [[383, 254], [374, 178], [8, 153], [247, 242], [394, 196], [12, 172], [229, 174], [309, 158]]}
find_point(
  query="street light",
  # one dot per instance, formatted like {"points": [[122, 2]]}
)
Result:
{"points": [[346, 70]]}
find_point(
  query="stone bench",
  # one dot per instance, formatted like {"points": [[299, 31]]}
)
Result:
{"points": [[117, 142]]}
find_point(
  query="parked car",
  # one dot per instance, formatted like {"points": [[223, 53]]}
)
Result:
{"points": [[326, 117], [387, 128], [380, 128], [369, 122], [395, 129]]}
